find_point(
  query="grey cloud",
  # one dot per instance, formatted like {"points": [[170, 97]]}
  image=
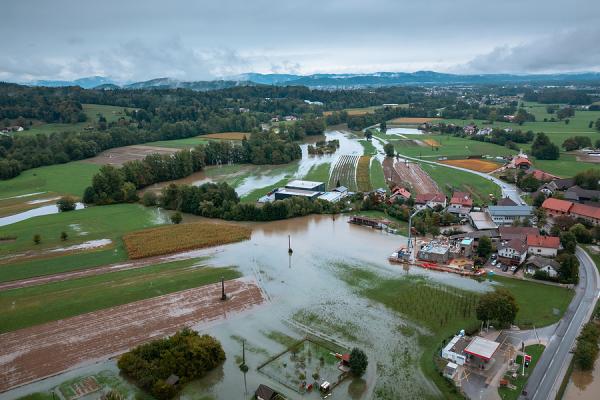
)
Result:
{"points": [[572, 50]]}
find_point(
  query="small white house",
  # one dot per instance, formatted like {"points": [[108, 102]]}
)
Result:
{"points": [[537, 263]]}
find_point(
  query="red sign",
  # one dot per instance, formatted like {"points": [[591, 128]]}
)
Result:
{"points": [[527, 357]]}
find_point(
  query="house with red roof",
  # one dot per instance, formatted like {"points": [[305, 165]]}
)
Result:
{"points": [[430, 200], [543, 176], [522, 163], [460, 204], [588, 213], [540, 245], [556, 207], [400, 192]]}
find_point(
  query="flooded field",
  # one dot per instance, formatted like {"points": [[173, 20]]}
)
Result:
{"points": [[36, 212], [308, 294], [584, 385]]}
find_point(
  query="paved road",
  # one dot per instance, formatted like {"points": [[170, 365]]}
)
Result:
{"points": [[551, 368]]}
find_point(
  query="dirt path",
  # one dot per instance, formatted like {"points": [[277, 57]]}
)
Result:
{"points": [[34, 353], [400, 174]]}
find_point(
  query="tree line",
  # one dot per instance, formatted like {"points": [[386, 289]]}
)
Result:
{"points": [[116, 185]]}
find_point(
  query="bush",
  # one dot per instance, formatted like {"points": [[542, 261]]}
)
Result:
{"points": [[65, 204], [176, 218], [37, 238], [150, 199]]}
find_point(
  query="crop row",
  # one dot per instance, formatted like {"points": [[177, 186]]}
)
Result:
{"points": [[174, 238], [363, 179], [344, 172]]}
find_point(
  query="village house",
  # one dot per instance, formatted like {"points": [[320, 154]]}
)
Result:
{"points": [[547, 265], [460, 204], [542, 176], [430, 200], [399, 192], [556, 207], [546, 246], [512, 252], [506, 215], [470, 129], [586, 212], [522, 163], [9, 129]]}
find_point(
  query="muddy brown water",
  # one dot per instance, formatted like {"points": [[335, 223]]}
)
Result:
{"points": [[305, 294], [584, 385]]}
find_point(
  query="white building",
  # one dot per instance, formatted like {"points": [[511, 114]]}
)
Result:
{"points": [[546, 246]]}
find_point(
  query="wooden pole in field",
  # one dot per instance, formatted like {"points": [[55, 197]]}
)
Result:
{"points": [[223, 295]]}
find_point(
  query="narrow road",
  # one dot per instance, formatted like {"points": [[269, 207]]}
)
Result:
{"points": [[508, 190], [545, 380]]}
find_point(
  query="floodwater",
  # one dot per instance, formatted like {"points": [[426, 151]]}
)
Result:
{"points": [[36, 212], [584, 385], [305, 294], [403, 131]]}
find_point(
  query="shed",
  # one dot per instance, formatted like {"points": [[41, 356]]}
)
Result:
{"points": [[263, 392]]}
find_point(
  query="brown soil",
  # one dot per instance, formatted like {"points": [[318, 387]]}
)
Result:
{"points": [[34, 353], [586, 157], [411, 175], [226, 136], [120, 155]]}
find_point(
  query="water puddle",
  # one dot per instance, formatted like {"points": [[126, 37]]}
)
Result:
{"points": [[36, 212]]}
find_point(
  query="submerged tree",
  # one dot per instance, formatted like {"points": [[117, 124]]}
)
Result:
{"points": [[358, 362]]}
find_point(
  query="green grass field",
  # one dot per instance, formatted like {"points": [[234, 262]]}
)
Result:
{"points": [[377, 176], [566, 166], [450, 146], [178, 143], [111, 113], [319, 173], [34, 305], [537, 301], [368, 148], [70, 178], [449, 179], [106, 222]]}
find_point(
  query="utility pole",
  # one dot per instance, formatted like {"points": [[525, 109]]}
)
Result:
{"points": [[223, 295], [409, 245]]}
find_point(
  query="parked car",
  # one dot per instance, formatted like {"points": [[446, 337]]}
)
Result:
{"points": [[505, 268], [494, 262], [494, 256], [513, 268]]}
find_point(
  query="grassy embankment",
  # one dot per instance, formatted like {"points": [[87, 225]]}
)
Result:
{"points": [[445, 310], [173, 238], [106, 222], [34, 305], [535, 351], [449, 179]]}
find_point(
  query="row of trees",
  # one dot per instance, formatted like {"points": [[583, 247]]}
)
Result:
{"points": [[219, 200], [543, 149], [186, 354]]}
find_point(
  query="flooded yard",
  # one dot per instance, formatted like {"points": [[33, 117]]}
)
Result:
{"points": [[308, 294]]}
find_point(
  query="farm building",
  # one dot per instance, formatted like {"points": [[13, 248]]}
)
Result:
{"points": [[577, 194], [263, 392], [556, 207], [546, 246], [481, 221], [306, 185], [542, 176], [285, 193], [506, 215], [587, 213], [453, 351], [435, 252], [399, 192], [522, 163], [537, 263]]}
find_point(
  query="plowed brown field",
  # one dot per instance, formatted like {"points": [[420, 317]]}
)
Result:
{"points": [[34, 353]]}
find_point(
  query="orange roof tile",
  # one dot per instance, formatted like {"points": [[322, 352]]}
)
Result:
{"points": [[557, 205]]}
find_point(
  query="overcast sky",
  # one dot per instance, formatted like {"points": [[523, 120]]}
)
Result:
{"points": [[198, 39]]}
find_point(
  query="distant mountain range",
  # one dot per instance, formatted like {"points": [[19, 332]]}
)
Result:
{"points": [[376, 79]]}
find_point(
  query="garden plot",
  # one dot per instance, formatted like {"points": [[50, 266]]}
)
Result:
{"points": [[344, 172], [474, 164], [306, 363]]}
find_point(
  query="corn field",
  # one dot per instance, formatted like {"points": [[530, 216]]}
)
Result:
{"points": [[175, 238]]}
